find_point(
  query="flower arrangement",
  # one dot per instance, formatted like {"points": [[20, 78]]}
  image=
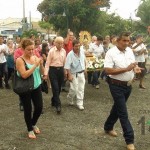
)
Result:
{"points": [[94, 64]]}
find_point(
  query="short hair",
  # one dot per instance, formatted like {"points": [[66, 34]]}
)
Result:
{"points": [[9, 41], [123, 34], [99, 38], [75, 42], [59, 38], [139, 36], [105, 42], [31, 35]]}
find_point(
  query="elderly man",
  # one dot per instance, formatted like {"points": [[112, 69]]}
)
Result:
{"points": [[75, 66], [55, 68], [120, 65]]}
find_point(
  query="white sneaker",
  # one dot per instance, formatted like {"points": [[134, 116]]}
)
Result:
{"points": [[97, 86], [70, 100], [80, 107]]}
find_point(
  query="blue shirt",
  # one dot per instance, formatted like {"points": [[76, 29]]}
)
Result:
{"points": [[74, 62]]}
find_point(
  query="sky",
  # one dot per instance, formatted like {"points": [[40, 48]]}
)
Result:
{"points": [[125, 8], [13, 8]]}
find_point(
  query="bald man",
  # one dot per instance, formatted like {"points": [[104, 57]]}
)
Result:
{"points": [[54, 67]]}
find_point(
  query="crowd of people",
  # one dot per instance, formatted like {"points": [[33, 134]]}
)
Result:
{"points": [[63, 60]]}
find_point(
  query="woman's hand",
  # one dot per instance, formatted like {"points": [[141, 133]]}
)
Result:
{"points": [[37, 61]]}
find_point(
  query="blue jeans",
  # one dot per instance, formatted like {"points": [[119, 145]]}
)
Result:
{"points": [[120, 96], [95, 77]]}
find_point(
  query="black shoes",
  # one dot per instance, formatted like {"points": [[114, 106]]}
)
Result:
{"points": [[7, 86], [58, 109], [1, 87], [64, 90]]}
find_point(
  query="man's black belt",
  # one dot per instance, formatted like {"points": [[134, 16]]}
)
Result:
{"points": [[119, 82], [81, 71]]}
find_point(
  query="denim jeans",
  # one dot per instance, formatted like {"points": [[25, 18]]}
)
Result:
{"points": [[95, 77], [120, 96]]}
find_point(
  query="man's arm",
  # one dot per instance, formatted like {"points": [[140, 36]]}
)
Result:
{"points": [[115, 71]]}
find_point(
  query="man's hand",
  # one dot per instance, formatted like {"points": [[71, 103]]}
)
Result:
{"points": [[131, 66], [70, 78], [137, 69]]}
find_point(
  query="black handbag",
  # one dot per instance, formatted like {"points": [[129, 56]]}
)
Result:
{"points": [[23, 86], [44, 87]]}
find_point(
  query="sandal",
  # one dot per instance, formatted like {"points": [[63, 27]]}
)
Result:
{"points": [[31, 135], [36, 130]]}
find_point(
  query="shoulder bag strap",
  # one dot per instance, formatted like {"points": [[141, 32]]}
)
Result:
{"points": [[25, 63]]}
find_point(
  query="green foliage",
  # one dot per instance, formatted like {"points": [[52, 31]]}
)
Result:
{"points": [[45, 25], [143, 13], [80, 14], [83, 15], [27, 34]]}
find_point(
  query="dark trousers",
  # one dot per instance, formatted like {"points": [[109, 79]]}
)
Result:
{"points": [[56, 75], [36, 97], [95, 77], [120, 96], [90, 77], [10, 72], [3, 71]]}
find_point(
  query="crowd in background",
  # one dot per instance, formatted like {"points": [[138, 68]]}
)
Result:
{"points": [[63, 59]]}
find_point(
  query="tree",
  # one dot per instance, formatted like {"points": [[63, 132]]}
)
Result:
{"points": [[143, 13], [80, 14], [28, 33], [46, 25]]}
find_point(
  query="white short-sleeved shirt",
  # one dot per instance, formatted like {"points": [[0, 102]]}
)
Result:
{"points": [[2, 56], [116, 59], [96, 50], [139, 58]]}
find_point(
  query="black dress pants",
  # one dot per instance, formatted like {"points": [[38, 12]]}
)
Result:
{"points": [[56, 75]]}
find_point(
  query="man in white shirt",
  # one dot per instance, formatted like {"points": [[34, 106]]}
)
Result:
{"points": [[139, 52], [120, 65], [3, 64], [89, 74], [98, 51]]}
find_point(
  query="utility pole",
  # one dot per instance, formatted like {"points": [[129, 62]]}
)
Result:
{"points": [[30, 23], [23, 20]]}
